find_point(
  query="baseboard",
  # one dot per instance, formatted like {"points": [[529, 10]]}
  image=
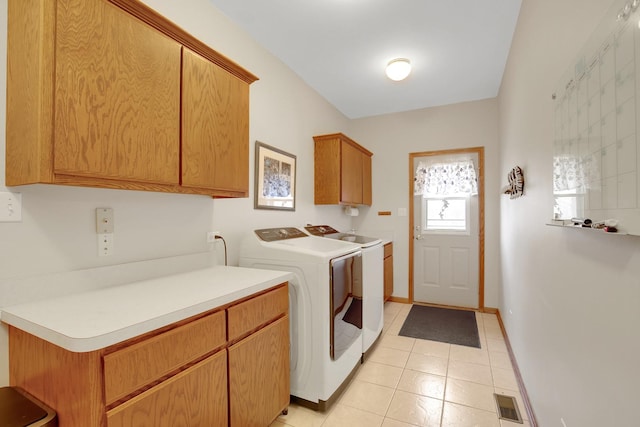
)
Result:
{"points": [[516, 370], [398, 299]]}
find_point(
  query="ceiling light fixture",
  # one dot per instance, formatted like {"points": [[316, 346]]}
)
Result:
{"points": [[398, 69]]}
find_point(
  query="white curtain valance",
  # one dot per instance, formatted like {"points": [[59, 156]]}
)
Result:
{"points": [[575, 173], [446, 179]]}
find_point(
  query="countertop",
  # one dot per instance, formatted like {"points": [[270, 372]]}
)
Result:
{"points": [[96, 319]]}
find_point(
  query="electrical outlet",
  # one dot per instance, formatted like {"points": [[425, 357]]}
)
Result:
{"points": [[10, 207], [105, 244], [211, 236]]}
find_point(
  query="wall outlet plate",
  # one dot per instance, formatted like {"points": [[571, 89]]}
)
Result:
{"points": [[10, 207], [105, 244]]}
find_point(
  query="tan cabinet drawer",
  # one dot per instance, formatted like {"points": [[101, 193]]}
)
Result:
{"points": [[251, 314], [133, 367], [194, 397], [388, 249]]}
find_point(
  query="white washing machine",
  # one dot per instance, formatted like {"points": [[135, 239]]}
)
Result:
{"points": [[372, 283], [326, 342]]}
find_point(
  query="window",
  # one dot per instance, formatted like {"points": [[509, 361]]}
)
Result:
{"points": [[568, 204], [445, 215]]}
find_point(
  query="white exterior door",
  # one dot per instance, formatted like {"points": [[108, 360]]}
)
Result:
{"points": [[445, 251]]}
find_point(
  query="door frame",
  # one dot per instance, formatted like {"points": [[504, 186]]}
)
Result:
{"points": [[480, 152]]}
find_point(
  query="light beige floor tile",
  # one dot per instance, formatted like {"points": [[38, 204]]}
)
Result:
{"points": [[519, 401], [504, 378], [386, 327], [397, 342], [368, 397], [405, 308], [466, 393], [388, 422], [380, 374], [299, 416], [500, 360], [496, 345], [475, 373], [424, 384], [432, 348], [395, 327], [455, 415], [277, 423], [415, 409], [427, 364], [493, 332], [344, 416], [469, 354], [391, 309], [490, 319], [389, 356]]}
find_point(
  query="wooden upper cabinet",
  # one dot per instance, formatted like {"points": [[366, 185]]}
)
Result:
{"points": [[351, 166], [117, 96], [108, 93], [215, 127], [367, 190], [342, 171]]}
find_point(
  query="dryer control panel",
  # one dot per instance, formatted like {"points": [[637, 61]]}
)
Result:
{"points": [[274, 234]]}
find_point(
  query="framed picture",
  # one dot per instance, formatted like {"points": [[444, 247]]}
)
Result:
{"points": [[275, 179]]}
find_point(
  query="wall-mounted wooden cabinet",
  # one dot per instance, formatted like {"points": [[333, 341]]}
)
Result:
{"points": [[107, 93], [388, 270], [342, 171]]}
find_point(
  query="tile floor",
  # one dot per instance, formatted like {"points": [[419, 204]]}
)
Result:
{"points": [[413, 382]]}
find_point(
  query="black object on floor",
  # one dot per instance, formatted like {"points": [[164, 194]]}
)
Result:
{"points": [[354, 313], [442, 324]]}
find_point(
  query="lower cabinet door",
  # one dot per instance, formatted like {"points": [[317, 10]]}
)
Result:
{"points": [[259, 384], [196, 397]]}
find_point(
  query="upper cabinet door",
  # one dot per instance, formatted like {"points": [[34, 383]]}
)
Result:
{"points": [[117, 96], [367, 196], [351, 172], [215, 127]]}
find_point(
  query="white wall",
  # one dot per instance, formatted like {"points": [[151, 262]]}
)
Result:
{"points": [[574, 296], [57, 232], [392, 138]]}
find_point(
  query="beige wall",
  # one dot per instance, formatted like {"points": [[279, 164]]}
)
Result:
{"points": [[570, 300], [57, 232], [391, 138]]}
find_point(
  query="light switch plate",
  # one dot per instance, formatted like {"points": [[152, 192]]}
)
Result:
{"points": [[10, 207]]}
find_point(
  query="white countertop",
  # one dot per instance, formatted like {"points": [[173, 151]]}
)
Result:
{"points": [[97, 319]]}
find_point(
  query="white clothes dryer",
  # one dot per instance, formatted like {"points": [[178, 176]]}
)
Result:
{"points": [[326, 345]]}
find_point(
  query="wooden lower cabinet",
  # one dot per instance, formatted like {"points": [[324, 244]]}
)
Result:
{"points": [[193, 373], [388, 271], [194, 397], [259, 376]]}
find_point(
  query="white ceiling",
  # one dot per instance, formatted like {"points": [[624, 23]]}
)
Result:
{"points": [[458, 48]]}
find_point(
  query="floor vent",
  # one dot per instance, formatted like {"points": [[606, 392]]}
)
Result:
{"points": [[508, 408]]}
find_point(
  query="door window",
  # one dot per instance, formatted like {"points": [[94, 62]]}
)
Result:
{"points": [[448, 215]]}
